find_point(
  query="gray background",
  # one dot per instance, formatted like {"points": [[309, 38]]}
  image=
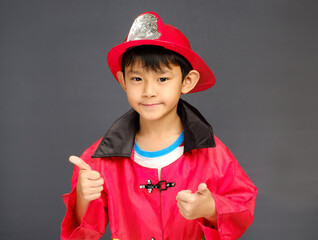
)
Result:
{"points": [[58, 97]]}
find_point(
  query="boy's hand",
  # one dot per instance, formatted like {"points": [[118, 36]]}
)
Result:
{"points": [[197, 205], [89, 183]]}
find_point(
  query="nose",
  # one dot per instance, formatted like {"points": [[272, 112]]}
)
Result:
{"points": [[149, 89]]}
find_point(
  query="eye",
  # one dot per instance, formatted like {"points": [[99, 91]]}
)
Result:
{"points": [[137, 79], [162, 79]]}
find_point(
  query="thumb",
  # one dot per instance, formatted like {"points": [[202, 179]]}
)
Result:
{"points": [[79, 163], [203, 189]]}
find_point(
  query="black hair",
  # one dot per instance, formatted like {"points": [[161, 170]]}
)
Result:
{"points": [[155, 57]]}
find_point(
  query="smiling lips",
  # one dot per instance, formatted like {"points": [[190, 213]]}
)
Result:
{"points": [[150, 106]]}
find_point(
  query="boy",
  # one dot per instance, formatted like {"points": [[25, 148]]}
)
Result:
{"points": [[159, 172]]}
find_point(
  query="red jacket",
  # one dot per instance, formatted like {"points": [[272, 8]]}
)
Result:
{"points": [[150, 211]]}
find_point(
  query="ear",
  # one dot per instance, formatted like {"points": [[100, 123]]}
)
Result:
{"points": [[121, 79], [190, 81]]}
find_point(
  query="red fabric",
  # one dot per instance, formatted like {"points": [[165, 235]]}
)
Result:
{"points": [[133, 213]]}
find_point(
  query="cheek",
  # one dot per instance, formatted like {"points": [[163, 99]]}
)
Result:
{"points": [[132, 97], [174, 92]]}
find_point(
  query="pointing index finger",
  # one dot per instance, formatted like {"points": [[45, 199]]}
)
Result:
{"points": [[79, 163]]}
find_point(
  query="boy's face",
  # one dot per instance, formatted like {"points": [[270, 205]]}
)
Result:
{"points": [[153, 94]]}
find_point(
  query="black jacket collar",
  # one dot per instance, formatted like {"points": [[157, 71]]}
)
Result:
{"points": [[120, 138]]}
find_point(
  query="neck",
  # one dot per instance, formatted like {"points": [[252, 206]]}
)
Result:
{"points": [[161, 128]]}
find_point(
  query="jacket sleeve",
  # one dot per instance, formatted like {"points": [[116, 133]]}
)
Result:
{"points": [[234, 195], [95, 219]]}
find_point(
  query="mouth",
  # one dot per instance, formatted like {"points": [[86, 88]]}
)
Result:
{"points": [[150, 106]]}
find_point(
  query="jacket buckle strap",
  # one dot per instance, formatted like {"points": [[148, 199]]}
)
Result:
{"points": [[161, 185]]}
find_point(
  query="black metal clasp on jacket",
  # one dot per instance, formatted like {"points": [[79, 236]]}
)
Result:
{"points": [[162, 185]]}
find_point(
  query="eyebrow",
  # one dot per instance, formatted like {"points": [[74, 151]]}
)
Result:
{"points": [[133, 72], [160, 71]]}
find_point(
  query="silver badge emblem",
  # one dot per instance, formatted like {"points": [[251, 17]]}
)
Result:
{"points": [[144, 27]]}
